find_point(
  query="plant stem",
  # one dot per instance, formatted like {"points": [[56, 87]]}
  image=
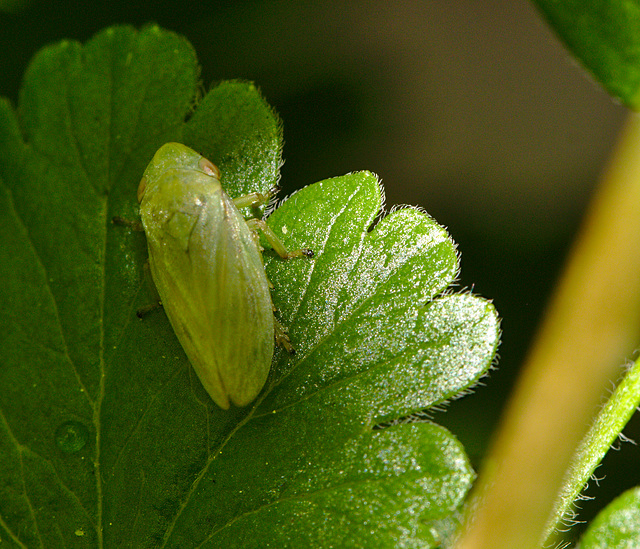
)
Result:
{"points": [[591, 325], [604, 431]]}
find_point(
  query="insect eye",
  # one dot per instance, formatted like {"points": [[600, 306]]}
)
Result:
{"points": [[209, 168], [142, 187]]}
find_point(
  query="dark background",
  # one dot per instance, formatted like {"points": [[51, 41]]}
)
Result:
{"points": [[472, 110]]}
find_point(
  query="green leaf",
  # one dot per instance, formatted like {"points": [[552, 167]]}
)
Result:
{"points": [[605, 36], [107, 437], [617, 526]]}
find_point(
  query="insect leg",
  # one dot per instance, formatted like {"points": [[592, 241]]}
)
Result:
{"points": [[275, 242], [254, 199], [282, 339], [133, 225]]}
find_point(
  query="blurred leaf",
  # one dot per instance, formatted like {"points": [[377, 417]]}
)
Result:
{"points": [[617, 526], [107, 437], [605, 36]]}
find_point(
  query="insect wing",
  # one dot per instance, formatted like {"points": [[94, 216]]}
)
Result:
{"points": [[209, 273]]}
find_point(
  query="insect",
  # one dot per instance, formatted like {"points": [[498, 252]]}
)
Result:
{"points": [[206, 263]]}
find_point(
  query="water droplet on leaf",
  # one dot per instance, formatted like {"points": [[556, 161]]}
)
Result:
{"points": [[71, 436]]}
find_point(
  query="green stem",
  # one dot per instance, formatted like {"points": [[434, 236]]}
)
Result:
{"points": [[603, 433]]}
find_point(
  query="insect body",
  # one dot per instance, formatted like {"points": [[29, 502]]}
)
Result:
{"points": [[207, 266]]}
